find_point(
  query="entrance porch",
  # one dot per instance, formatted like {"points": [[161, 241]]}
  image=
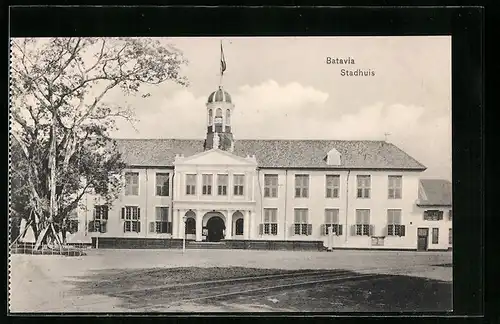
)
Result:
{"points": [[214, 225]]}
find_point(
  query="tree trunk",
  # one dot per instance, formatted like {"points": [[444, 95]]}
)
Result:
{"points": [[34, 227]]}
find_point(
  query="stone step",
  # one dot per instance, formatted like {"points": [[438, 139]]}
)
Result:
{"points": [[206, 245]]}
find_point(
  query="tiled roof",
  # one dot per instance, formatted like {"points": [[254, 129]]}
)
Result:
{"points": [[435, 192], [275, 153]]}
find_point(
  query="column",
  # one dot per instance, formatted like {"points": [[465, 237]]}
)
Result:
{"points": [[199, 184], [229, 185], [251, 225], [175, 220], [178, 188], [199, 226], [246, 224], [253, 186], [182, 225], [229, 224]]}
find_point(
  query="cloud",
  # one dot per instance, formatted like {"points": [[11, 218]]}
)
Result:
{"points": [[294, 111]]}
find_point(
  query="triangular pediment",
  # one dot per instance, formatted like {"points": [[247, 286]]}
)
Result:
{"points": [[215, 157]]}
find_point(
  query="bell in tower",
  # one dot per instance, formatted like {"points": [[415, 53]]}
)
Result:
{"points": [[219, 111]]}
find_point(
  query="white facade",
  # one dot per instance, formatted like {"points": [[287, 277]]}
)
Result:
{"points": [[252, 205]]}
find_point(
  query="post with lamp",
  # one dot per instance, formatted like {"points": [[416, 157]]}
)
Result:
{"points": [[184, 218], [330, 237]]}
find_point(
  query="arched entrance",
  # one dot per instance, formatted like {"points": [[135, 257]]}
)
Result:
{"points": [[215, 229]]}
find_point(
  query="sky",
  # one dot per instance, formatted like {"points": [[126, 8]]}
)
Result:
{"points": [[283, 88]]}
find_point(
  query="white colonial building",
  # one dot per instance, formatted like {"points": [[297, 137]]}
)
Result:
{"points": [[264, 193]]}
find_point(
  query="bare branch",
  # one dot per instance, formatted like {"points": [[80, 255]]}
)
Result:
{"points": [[101, 54]]}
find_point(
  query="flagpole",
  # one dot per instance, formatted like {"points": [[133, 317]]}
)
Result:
{"points": [[221, 72]]}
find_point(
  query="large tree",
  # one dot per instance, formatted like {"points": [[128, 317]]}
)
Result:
{"points": [[61, 120]]}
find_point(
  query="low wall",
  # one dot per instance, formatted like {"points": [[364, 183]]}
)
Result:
{"points": [[136, 243], [275, 245]]}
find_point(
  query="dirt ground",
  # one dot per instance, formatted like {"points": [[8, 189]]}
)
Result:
{"points": [[80, 284]]}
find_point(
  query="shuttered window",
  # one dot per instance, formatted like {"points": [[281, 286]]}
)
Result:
{"points": [[190, 184], [302, 186], [362, 226], [131, 216], [433, 215], [132, 184], [395, 187], [271, 185], [161, 225], [394, 226], [162, 184], [301, 225], [222, 182], [332, 186], [207, 182], [332, 222], [435, 236], [100, 219], [363, 186], [270, 225], [239, 181]]}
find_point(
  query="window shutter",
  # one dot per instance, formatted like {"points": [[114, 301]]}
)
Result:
{"points": [[353, 230], [372, 230], [402, 231], [309, 229], [169, 227], [138, 227], [139, 213], [261, 229], [152, 227], [103, 228], [91, 226], [124, 227], [123, 212], [323, 229], [339, 232]]}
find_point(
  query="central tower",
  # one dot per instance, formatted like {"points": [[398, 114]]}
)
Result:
{"points": [[219, 112]]}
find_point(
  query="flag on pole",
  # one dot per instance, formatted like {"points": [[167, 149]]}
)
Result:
{"points": [[222, 60]]}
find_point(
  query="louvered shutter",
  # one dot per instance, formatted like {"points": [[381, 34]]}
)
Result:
{"points": [[309, 229], [123, 212], [261, 229], [402, 231], [103, 228], [124, 227], [138, 213], [169, 227], [91, 226], [372, 230], [353, 230], [323, 229], [339, 232], [152, 227], [138, 227]]}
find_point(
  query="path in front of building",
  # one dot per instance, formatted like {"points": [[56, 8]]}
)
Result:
{"points": [[48, 283]]}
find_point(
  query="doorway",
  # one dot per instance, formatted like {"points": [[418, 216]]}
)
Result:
{"points": [[215, 228], [422, 239]]}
